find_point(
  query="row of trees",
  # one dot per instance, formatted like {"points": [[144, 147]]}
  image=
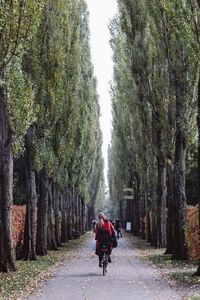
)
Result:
{"points": [[156, 102], [49, 122]]}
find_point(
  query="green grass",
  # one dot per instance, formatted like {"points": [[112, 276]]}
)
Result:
{"points": [[179, 272], [185, 276], [29, 273]]}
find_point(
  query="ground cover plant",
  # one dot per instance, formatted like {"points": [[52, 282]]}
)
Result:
{"points": [[30, 274]]}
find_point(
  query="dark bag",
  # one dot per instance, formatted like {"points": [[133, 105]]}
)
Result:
{"points": [[104, 237], [114, 241]]}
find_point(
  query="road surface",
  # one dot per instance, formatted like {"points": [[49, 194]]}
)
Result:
{"points": [[128, 278]]}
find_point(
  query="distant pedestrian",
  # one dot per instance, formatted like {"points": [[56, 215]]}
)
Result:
{"points": [[118, 228], [94, 223], [113, 223]]}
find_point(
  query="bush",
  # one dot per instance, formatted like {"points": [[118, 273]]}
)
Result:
{"points": [[192, 232], [18, 221]]}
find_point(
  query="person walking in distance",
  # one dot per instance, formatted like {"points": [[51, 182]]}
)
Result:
{"points": [[94, 223], [118, 228], [104, 234]]}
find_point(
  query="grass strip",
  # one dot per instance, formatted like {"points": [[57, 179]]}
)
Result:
{"points": [[30, 274], [178, 272]]}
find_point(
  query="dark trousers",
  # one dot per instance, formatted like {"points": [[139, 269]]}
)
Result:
{"points": [[119, 233]]}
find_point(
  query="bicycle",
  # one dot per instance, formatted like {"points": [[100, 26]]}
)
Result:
{"points": [[104, 260]]}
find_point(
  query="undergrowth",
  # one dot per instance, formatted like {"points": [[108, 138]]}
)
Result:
{"points": [[30, 273]]}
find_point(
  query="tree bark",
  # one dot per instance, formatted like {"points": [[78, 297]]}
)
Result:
{"points": [[29, 247], [58, 216], [79, 214], [154, 202], [161, 175], [64, 236], [42, 215], [6, 182], [197, 273], [136, 229], [170, 209], [170, 136], [69, 214], [161, 204], [76, 212], [83, 221], [142, 210], [52, 245], [179, 249], [169, 168]]}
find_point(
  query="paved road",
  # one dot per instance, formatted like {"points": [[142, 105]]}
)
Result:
{"points": [[128, 278]]}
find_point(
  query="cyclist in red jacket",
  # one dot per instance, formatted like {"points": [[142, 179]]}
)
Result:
{"points": [[104, 234]]}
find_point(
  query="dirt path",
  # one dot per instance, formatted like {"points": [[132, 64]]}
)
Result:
{"points": [[128, 278]]}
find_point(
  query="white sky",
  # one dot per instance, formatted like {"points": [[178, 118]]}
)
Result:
{"points": [[101, 11]]}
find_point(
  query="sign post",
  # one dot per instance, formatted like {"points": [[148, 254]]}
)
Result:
{"points": [[128, 226]]}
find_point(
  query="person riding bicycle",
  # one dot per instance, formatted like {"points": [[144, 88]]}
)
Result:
{"points": [[104, 234]]}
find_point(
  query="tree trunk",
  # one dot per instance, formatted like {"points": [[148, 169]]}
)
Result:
{"points": [[6, 183], [64, 235], [121, 213], [42, 215], [197, 273], [143, 206], [29, 247], [161, 204], [145, 229], [86, 218], [58, 216], [154, 202], [147, 215], [161, 183], [128, 211], [69, 214], [83, 215], [73, 209], [170, 209], [170, 137], [179, 249], [136, 204], [170, 193], [52, 245], [78, 212]]}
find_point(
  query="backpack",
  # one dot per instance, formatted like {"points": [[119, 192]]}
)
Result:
{"points": [[104, 237], [114, 241]]}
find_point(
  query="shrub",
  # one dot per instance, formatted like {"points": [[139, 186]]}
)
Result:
{"points": [[18, 221], [192, 232]]}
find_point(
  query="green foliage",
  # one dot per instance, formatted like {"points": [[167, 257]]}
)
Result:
{"points": [[22, 103], [52, 87], [18, 22], [155, 45], [30, 273]]}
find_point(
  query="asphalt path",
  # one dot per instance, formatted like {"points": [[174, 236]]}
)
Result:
{"points": [[128, 278]]}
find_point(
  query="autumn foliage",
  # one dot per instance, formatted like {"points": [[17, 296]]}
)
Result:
{"points": [[192, 232], [18, 221]]}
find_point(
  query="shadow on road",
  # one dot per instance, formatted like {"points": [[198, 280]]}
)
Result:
{"points": [[80, 275]]}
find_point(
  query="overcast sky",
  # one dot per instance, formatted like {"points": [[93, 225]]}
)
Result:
{"points": [[101, 11]]}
